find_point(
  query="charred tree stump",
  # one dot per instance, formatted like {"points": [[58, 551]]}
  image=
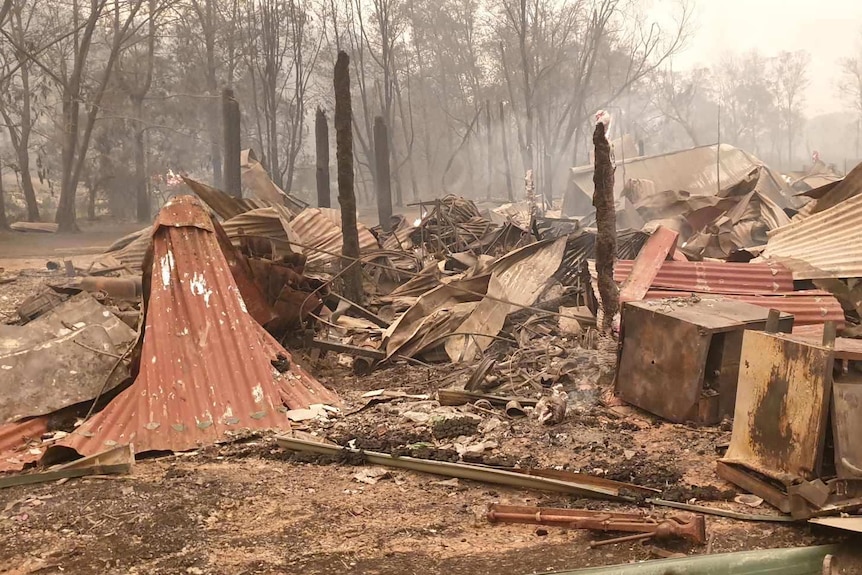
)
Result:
{"points": [[351, 271], [321, 140], [606, 242], [384, 179], [232, 150]]}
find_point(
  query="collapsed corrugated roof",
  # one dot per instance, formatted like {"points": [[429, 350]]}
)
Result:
{"points": [[808, 307], [838, 192], [764, 284], [716, 277], [692, 170], [827, 244], [206, 365]]}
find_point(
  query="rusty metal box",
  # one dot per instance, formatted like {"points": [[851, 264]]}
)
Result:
{"points": [[680, 356]]}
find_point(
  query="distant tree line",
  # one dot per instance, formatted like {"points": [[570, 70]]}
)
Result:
{"points": [[99, 98]]}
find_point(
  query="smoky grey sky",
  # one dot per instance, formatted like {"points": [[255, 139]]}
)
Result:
{"points": [[828, 29]]}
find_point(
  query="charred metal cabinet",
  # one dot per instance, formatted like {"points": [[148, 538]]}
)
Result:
{"points": [[680, 356]]}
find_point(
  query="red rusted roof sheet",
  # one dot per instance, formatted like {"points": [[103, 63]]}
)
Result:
{"points": [[19, 443], [716, 277], [809, 307], [206, 363]]}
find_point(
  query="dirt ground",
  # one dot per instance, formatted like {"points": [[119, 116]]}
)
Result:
{"points": [[249, 507]]}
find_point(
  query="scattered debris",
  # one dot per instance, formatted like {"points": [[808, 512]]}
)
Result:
{"points": [[689, 527]]}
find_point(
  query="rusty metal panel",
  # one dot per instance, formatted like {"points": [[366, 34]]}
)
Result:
{"points": [[206, 365], [320, 229], [716, 277], [648, 264], [824, 245], [17, 441], [782, 401], [847, 429], [224, 205], [808, 307], [662, 363]]}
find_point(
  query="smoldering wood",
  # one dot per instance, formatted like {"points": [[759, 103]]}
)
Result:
{"points": [[352, 273], [384, 179]]}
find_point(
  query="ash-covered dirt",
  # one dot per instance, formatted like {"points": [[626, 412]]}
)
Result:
{"points": [[250, 507]]}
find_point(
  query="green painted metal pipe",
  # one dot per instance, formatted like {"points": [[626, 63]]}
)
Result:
{"points": [[793, 561]]}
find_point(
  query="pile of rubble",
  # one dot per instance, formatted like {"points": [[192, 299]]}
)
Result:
{"points": [[740, 303]]}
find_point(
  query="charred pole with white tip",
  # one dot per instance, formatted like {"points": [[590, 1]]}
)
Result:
{"points": [[606, 241], [352, 274]]}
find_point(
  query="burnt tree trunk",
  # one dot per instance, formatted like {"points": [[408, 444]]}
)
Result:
{"points": [[384, 177], [232, 149], [4, 222], [606, 242], [489, 145], [352, 273], [503, 128], [144, 207], [321, 137], [91, 200]]}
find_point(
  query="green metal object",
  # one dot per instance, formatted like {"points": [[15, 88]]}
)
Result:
{"points": [[793, 561]]}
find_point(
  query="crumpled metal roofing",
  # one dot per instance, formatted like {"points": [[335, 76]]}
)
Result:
{"points": [[716, 277], [692, 170], [206, 364], [809, 307], [847, 188], [827, 244], [320, 229]]}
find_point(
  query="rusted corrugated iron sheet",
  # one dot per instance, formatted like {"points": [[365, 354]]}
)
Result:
{"points": [[827, 244], [320, 229], [809, 307], [18, 443], [224, 205], [260, 222], [849, 187], [716, 277], [206, 364]]}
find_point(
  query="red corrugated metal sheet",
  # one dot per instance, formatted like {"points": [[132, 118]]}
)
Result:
{"points": [[716, 277], [206, 364], [809, 307], [15, 443]]}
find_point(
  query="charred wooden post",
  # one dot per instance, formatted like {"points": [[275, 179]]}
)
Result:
{"points": [[509, 188], [232, 150], [352, 273], [606, 241], [321, 139], [384, 179]]}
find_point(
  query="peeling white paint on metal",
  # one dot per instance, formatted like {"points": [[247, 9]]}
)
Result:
{"points": [[257, 393], [167, 265], [198, 285]]}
